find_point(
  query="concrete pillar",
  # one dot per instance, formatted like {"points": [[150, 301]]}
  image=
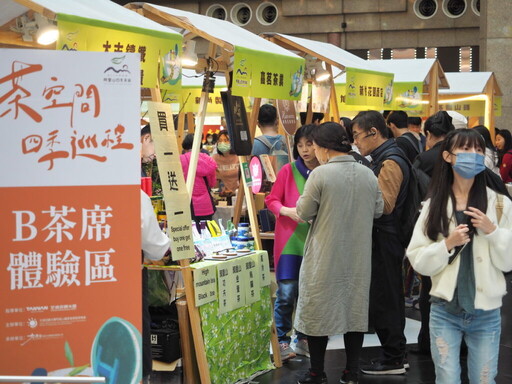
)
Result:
{"points": [[496, 49]]}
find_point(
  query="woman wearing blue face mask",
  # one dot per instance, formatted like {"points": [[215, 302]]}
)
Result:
{"points": [[462, 241]]}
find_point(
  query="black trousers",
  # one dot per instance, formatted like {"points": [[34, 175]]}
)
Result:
{"points": [[424, 302], [387, 307], [353, 346], [147, 360]]}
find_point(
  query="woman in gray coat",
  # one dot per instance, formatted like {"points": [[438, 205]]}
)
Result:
{"points": [[341, 198]]}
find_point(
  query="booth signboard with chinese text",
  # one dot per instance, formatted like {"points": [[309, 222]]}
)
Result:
{"points": [[267, 75], [70, 228], [159, 51], [368, 88], [176, 197]]}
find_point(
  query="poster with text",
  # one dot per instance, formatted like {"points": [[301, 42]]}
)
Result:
{"points": [[70, 261]]}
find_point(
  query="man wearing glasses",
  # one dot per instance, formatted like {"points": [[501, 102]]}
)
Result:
{"points": [[387, 309]]}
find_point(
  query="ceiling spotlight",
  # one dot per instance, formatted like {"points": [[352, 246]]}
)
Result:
{"points": [[320, 73], [189, 58], [47, 32]]}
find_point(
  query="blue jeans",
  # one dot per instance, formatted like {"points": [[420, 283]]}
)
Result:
{"points": [[481, 332], [287, 293]]}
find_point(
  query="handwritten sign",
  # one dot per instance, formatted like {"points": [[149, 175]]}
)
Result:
{"points": [[177, 202], [264, 269], [251, 279], [205, 285]]}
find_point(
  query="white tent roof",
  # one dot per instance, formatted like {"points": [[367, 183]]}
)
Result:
{"points": [[331, 52], [466, 82], [103, 10], [223, 30], [406, 70]]}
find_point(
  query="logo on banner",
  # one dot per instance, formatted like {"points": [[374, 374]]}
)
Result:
{"points": [[242, 74], [118, 72]]}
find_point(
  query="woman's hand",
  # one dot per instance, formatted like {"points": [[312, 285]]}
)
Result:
{"points": [[480, 220], [459, 236], [291, 213]]}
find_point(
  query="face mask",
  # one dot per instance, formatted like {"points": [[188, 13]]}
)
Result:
{"points": [[468, 165], [209, 140], [224, 147]]}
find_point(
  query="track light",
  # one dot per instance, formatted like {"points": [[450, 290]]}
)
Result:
{"points": [[45, 31], [189, 58], [320, 73]]}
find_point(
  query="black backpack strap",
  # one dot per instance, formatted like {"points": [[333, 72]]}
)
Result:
{"points": [[417, 145]]}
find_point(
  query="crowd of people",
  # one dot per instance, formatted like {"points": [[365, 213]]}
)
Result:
{"points": [[339, 253]]}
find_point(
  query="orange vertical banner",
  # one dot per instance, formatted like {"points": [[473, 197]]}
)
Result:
{"points": [[70, 256]]}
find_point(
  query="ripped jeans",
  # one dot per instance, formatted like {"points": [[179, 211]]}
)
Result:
{"points": [[481, 332]]}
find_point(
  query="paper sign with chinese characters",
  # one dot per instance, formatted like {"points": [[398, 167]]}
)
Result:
{"points": [[70, 229], [176, 197]]}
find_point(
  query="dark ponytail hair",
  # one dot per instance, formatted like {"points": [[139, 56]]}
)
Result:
{"points": [[439, 124], [333, 136], [440, 188]]}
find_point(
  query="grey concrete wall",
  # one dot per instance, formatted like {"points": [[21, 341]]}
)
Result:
{"points": [[496, 51]]}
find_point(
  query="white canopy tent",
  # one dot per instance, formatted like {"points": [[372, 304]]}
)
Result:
{"points": [[330, 54], [474, 86], [103, 10]]}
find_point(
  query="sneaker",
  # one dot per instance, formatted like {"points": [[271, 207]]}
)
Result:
{"points": [[378, 367], [406, 363], [287, 352], [349, 377], [310, 378], [301, 347]]}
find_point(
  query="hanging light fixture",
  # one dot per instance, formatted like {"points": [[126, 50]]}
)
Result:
{"points": [[321, 74], [189, 58], [47, 32]]}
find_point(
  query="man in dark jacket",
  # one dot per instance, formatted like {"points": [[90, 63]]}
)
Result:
{"points": [[387, 309]]}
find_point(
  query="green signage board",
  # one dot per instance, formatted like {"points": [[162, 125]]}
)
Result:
{"points": [[159, 51], [267, 75], [369, 88]]}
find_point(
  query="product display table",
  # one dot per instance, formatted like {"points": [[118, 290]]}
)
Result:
{"points": [[236, 341]]}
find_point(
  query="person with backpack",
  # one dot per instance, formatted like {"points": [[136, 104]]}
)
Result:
{"points": [[406, 141], [461, 240], [387, 308], [270, 142]]}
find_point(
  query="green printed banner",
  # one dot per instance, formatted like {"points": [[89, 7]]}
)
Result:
{"points": [[407, 97], [157, 49], [342, 101], [368, 88], [267, 75], [190, 98]]}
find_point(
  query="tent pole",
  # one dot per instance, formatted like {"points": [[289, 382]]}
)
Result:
{"points": [[198, 134], [489, 107], [433, 95]]}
